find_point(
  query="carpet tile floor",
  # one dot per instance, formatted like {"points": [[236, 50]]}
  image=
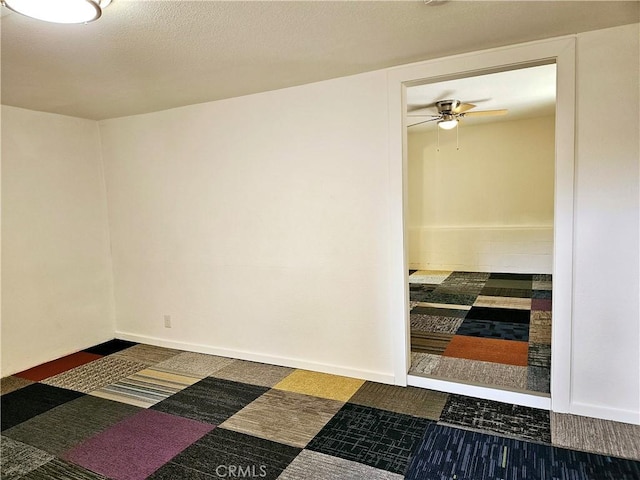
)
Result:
{"points": [[499, 323], [220, 418]]}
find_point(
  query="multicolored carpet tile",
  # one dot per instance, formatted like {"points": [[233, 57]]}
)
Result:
{"points": [[489, 329], [184, 416]]}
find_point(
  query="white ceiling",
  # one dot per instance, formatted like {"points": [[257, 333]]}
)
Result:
{"points": [[525, 93], [143, 56]]}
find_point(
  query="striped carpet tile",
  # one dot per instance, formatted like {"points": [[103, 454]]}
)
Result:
{"points": [[59, 469], [18, 458], [147, 387], [312, 465]]}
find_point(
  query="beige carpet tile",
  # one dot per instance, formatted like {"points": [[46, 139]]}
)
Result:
{"points": [[324, 385], [594, 435], [147, 354], [540, 334], [434, 323], [478, 372], [95, 375], [147, 387], [310, 465], [503, 302], [444, 305], [196, 364], [285, 417], [11, 384], [540, 317], [541, 285], [253, 373], [423, 363], [435, 277], [418, 402]]}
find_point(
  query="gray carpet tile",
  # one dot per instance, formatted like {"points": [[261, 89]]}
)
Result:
{"points": [[539, 379], [495, 417], [432, 323], [222, 452], [284, 417], [147, 354], [97, 374], [596, 435], [418, 402], [539, 355], [58, 469], [67, 425], [439, 312], [539, 277], [253, 373], [310, 465], [11, 384], [197, 364], [484, 373], [423, 363], [18, 458], [211, 400]]}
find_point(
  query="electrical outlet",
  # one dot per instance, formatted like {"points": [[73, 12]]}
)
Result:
{"points": [[167, 321]]}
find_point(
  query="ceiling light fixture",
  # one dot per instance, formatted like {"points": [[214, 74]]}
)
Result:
{"points": [[448, 124], [59, 11]]}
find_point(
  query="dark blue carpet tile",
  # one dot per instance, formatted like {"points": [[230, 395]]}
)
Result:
{"points": [[506, 292], [510, 315], [374, 437], [491, 329], [211, 400], [225, 454], [112, 346], [32, 400], [546, 294], [497, 417], [447, 453], [440, 312]]}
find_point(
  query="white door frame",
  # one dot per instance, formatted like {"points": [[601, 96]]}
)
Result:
{"points": [[562, 51]]}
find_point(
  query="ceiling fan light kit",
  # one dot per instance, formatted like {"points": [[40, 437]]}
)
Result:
{"points": [[59, 11]]}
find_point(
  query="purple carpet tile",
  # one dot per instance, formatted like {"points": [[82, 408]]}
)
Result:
{"points": [[136, 447], [541, 304]]}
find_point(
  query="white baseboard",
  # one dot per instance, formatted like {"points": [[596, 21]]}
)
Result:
{"points": [[258, 357], [525, 399], [604, 413]]}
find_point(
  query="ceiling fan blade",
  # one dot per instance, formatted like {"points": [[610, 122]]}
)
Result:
{"points": [[414, 108], [425, 121], [486, 113], [424, 115], [464, 107]]}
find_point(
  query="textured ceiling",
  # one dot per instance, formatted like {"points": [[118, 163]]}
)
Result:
{"points": [[143, 56]]}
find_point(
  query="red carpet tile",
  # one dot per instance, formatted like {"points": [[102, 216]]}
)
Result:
{"points": [[60, 365], [509, 352], [541, 304]]}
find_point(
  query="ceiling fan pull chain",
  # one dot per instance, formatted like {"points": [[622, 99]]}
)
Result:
{"points": [[457, 136], [438, 130]]}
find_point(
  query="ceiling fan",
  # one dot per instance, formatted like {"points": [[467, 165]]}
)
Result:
{"points": [[450, 111]]}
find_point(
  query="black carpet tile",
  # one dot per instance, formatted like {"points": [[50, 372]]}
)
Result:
{"points": [[539, 355], [58, 469], [546, 294], [492, 329], [510, 315], [506, 292], [67, 425], [412, 271], [211, 400], [420, 294], [374, 437], [112, 346], [440, 312], [511, 276], [448, 453], [496, 417], [539, 379], [17, 458], [222, 452], [32, 400], [450, 298]]}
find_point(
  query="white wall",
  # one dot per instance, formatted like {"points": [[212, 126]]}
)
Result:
{"points": [[260, 224], [606, 334], [56, 274], [487, 206]]}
